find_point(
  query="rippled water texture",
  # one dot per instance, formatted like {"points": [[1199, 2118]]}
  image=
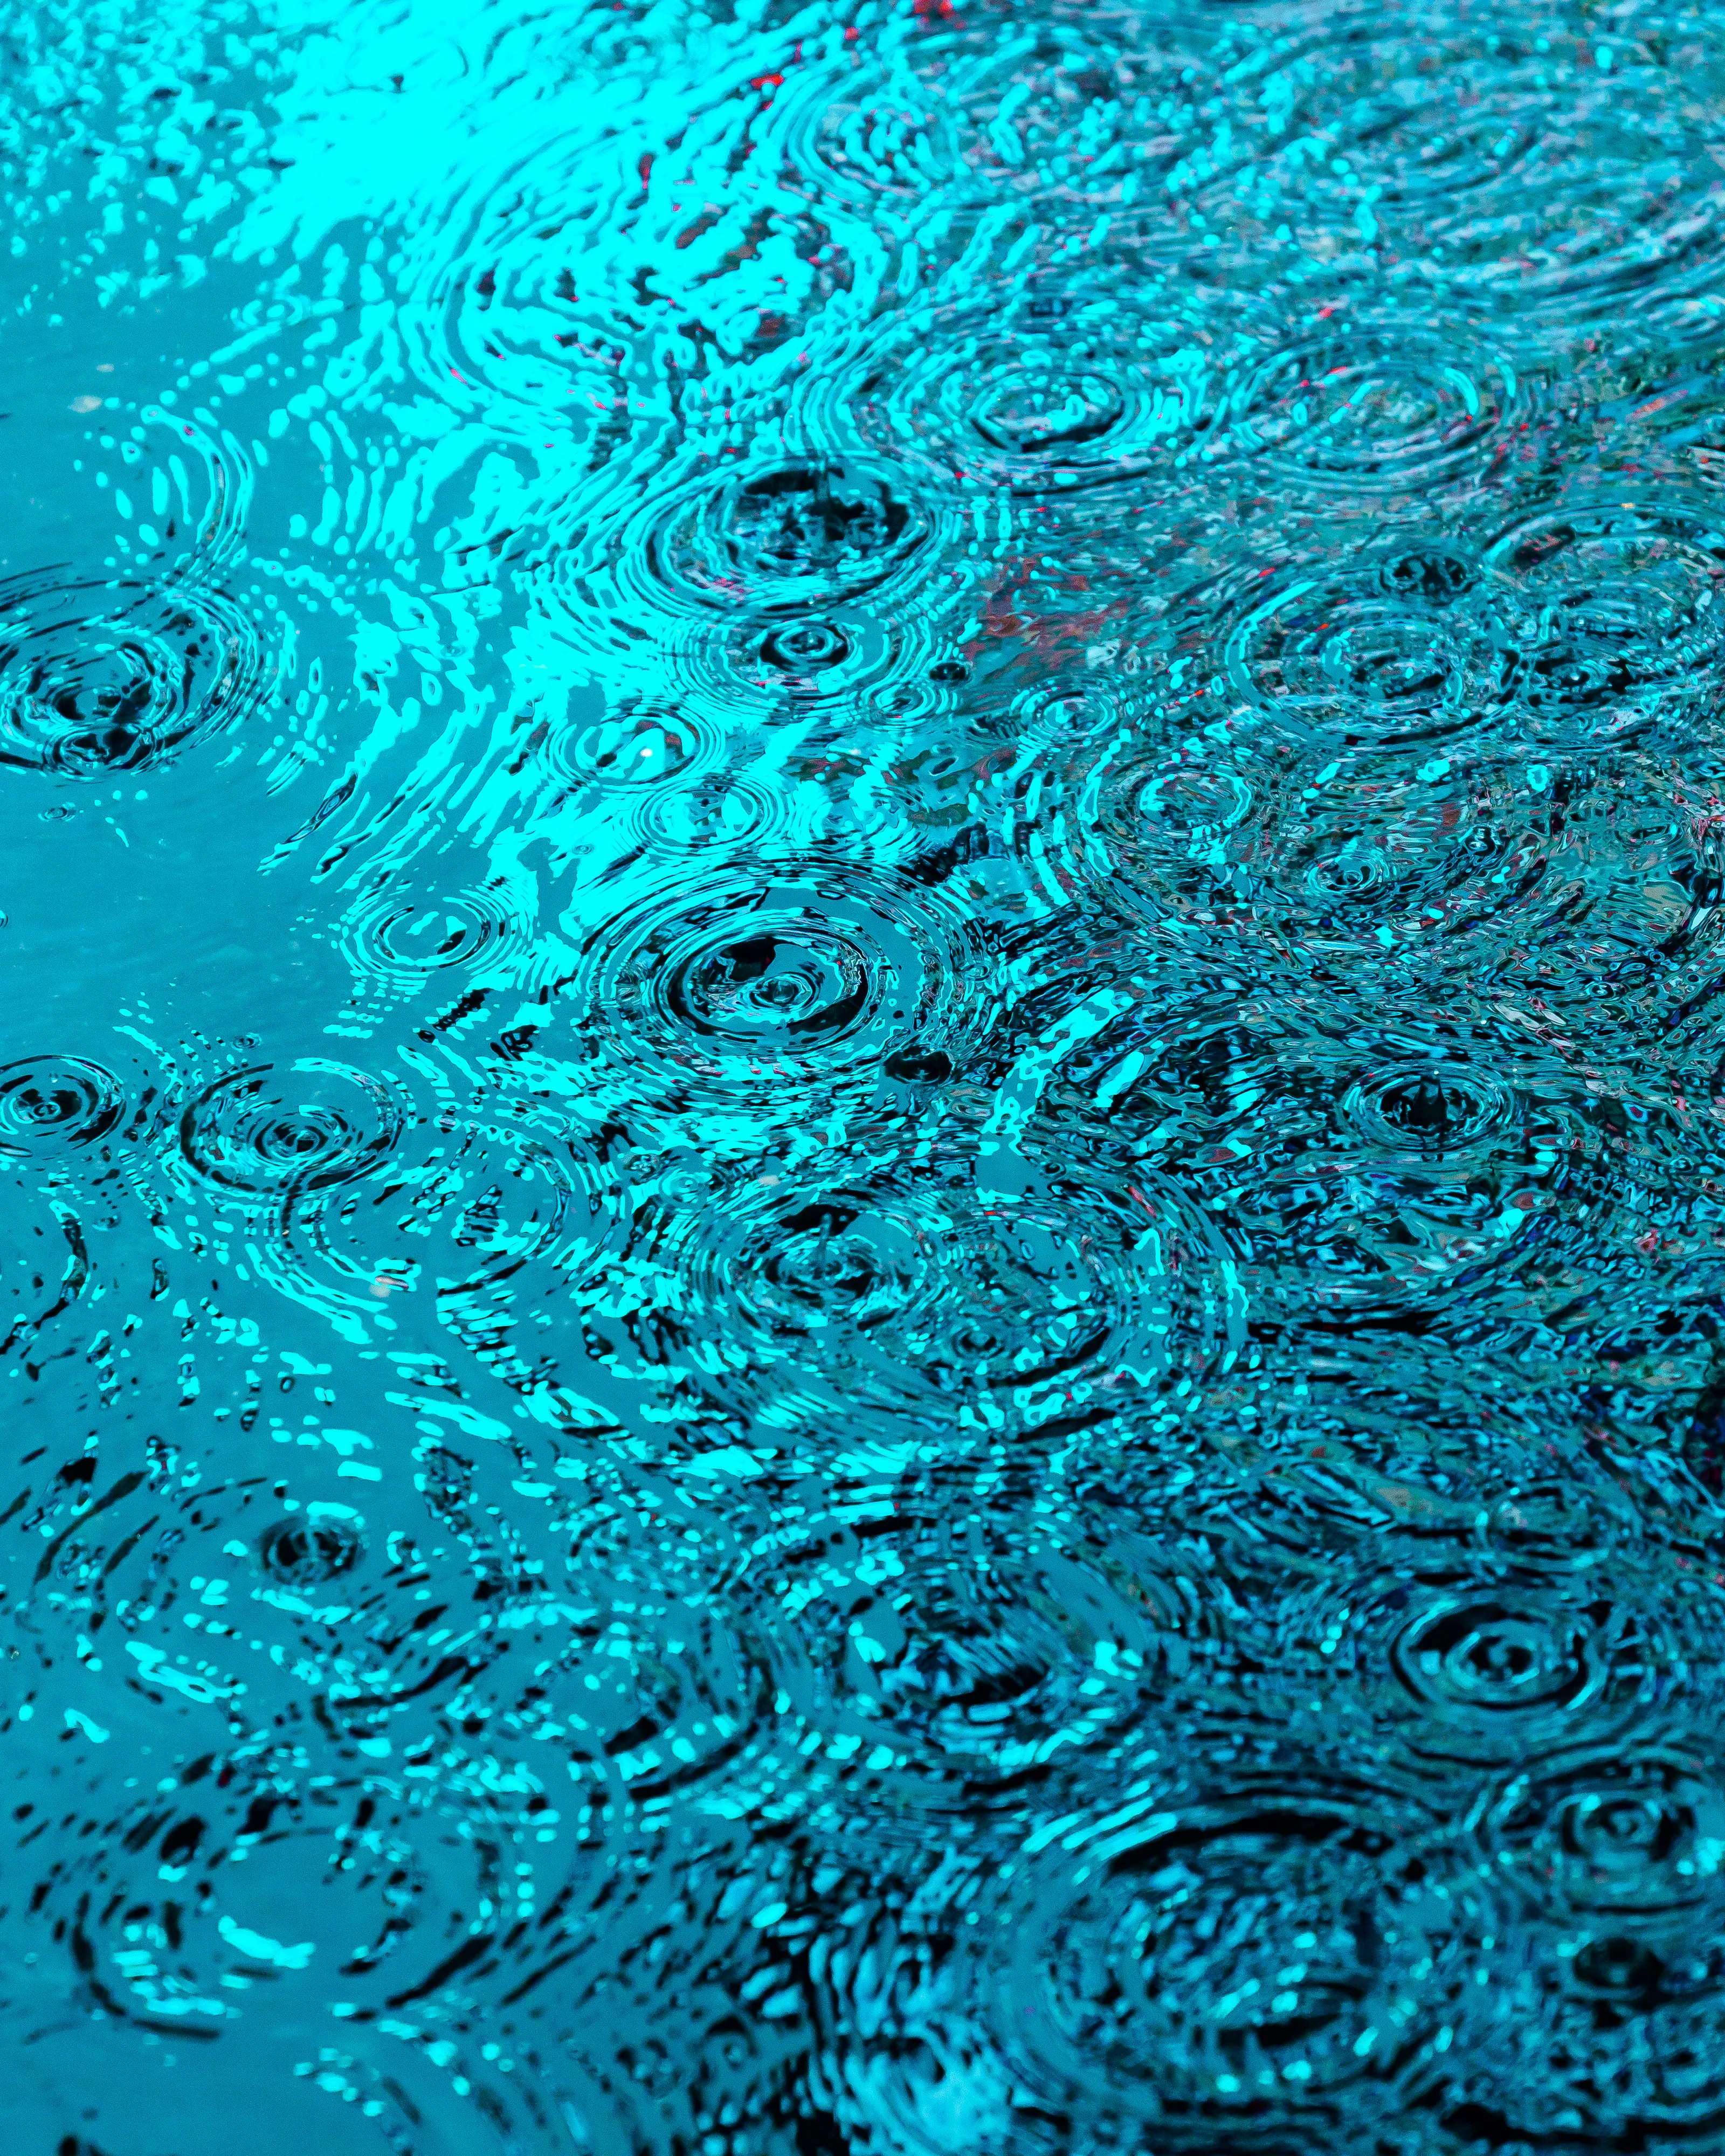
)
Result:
{"points": [[862, 1078]]}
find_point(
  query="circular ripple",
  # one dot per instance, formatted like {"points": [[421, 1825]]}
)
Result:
{"points": [[1417, 1177], [835, 663], [1056, 386], [304, 1126], [1125, 819], [1430, 1177], [1371, 408], [918, 1289], [646, 767], [650, 1691], [364, 1659], [308, 1552], [53, 1104], [1473, 1657], [1440, 853], [862, 131], [1611, 1982], [1565, 178], [1613, 615], [96, 679], [770, 977], [390, 937], [789, 537], [1226, 1969], [490, 1217], [1373, 654], [380, 1638], [216, 1904], [238, 1607], [629, 749], [1630, 1840], [1490, 1670], [1599, 871], [1080, 115], [499, 313], [1411, 1113], [1325, 1472]]}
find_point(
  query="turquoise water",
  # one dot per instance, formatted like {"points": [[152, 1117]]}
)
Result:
{"points": [[862, 1079]]}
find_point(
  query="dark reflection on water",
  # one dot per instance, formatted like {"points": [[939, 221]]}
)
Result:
{"points": [[862, 1079]]}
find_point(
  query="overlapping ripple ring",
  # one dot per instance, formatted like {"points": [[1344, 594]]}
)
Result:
{"points": [[190, 1917], [99, 678], [476, 1221], [1365, 408], [806, 975], [1612, 603], [944, 1668], [263, 1131], [863, 132], [973, 1397], [876, 1299], [50, 1104], [1056, 386], [782, 534]]}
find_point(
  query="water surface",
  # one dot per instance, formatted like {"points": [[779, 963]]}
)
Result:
{"points": [[862, 1079]]}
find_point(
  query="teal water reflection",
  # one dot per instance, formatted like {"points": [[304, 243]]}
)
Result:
{"points": [[862, 1086]]}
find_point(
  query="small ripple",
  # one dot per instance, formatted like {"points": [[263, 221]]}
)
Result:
{"points": [[1461, 862], [790, 534], [761, 975], [1327, 1472], [637, 1686], [53, 1104], [655, 768], [1243, 1961], [299, 1553], [388, 937], [1500, 173], [834, 664], [629, 749], [1630, 1838], [1371, 408], [1057, 386], [1614, 624], [1416, 1176], [499, 317], [264, 1130], [1411, 1113], [96, 679], [1451, 853]]}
